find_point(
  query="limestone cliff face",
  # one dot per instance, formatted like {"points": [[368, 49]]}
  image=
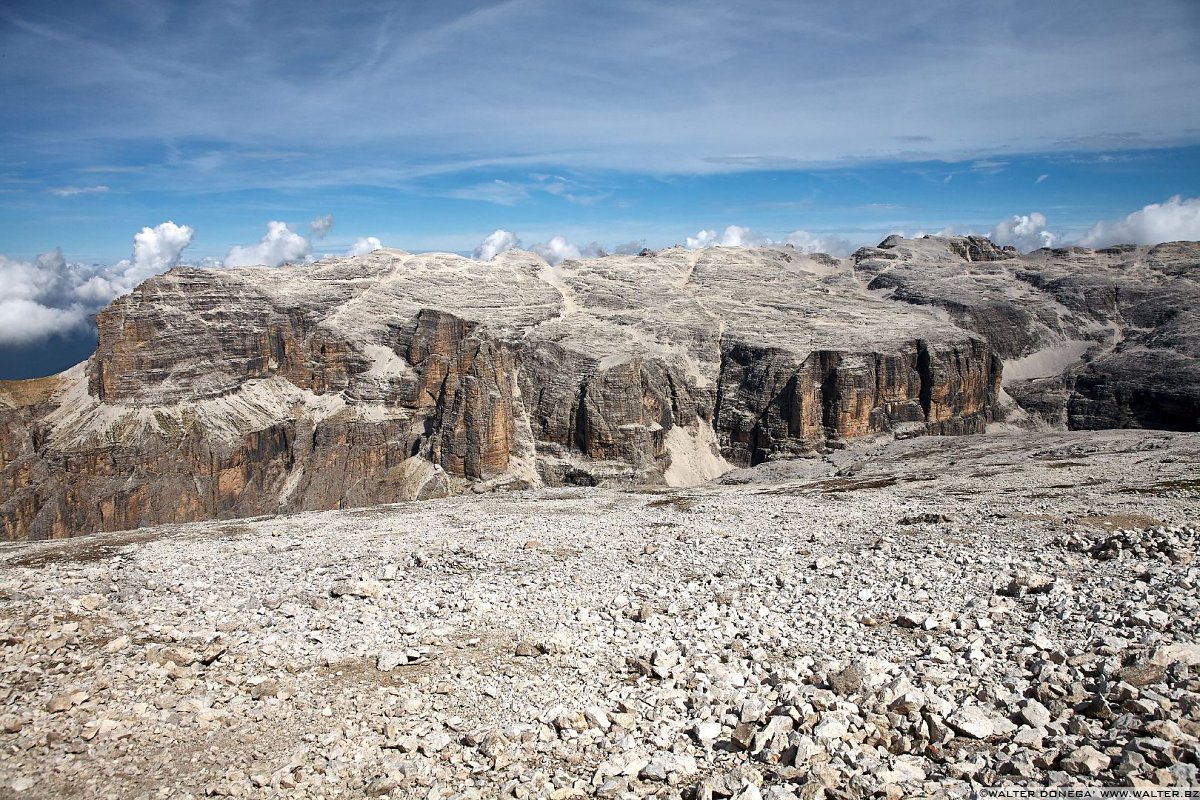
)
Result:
{"points": [[1090, 338], [771, 408], [465, 390], [349, 382]]}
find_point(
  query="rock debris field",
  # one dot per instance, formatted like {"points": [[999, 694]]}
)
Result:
{"points": [[899, 619]]}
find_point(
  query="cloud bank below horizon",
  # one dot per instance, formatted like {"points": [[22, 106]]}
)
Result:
{"points": [[49, 296]]}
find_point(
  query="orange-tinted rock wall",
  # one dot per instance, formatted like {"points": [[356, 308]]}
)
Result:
{"points": [[769, 405]]}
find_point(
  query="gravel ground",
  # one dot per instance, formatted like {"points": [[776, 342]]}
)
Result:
{"points": [[902, 619]]}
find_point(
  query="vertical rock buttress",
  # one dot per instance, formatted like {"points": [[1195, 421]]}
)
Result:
{"points": [[770, 404]]}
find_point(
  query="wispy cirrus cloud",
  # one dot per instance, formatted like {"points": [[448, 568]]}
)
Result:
{"points": [[72, 191], [500, 192], [989, 166], [1091, 75], [511, 193]]}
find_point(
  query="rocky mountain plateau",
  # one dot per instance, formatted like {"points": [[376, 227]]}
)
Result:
{"points": [[218, 394], [775, 526]]}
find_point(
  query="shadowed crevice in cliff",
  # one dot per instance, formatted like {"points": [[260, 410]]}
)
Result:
{"points": [[925, 392], [830, 397], [578, 433]]}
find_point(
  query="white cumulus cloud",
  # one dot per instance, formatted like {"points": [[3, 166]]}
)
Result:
{"points": [[155, 250], [1023, 231], [50, 295], [496, 242], [807, 242], [37, 299], [593, 250], [279, 245], [26, 321], [47, 278], [738, 236], [733, 236], [321, 226], [1175, 220], [556, 250], [363, 245]]}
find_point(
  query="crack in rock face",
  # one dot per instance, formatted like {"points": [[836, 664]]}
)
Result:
{"points": [[345, 383]]}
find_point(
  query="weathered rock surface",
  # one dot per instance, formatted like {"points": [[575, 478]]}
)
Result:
{"points": [[738, 639], [350, 382], [246, 392], [1091, 338]]}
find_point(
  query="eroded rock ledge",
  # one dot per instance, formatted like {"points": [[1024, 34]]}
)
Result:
{"points": [[393, 376]]}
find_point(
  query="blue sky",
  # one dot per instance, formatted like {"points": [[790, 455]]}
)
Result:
{"points": [[430, 125]]}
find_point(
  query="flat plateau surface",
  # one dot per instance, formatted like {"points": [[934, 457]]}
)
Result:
{"points": [[904, 619]]}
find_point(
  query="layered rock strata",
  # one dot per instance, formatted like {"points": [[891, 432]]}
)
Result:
{"points": [[394, 376], [1091, 338]]}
